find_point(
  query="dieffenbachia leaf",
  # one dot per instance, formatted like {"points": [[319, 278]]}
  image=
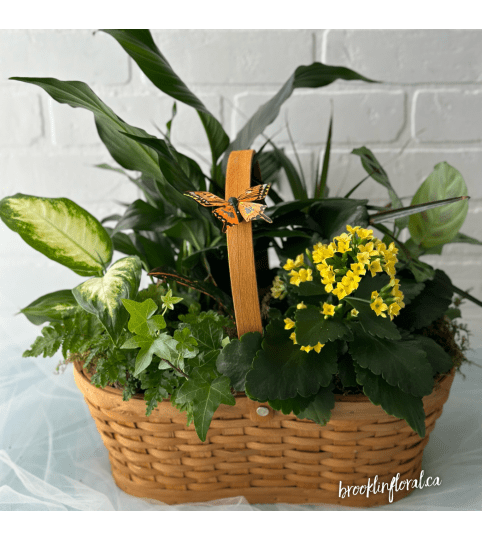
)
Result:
{"points": [[140, 46], [371, 322], [51, 307], [281, 370], [400, 363], [439, 225], [128, 153], [61, 230], [236, 359], [205, 394], [315, 75], [319, 409], [103, 296], [142, 320], [313, 328], [393, 400]]}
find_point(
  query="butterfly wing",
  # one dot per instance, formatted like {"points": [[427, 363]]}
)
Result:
{"points": [[255, 193], [227, 214], [251, 211], [205, 198]]}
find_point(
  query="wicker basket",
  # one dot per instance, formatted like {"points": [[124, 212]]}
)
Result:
{"points": [[267, 459], [270, 459]]}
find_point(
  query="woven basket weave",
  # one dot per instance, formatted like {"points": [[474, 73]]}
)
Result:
{"points": [[278, 458]]}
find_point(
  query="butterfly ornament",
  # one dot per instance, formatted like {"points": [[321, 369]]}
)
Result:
{"points": [[235, 209]]}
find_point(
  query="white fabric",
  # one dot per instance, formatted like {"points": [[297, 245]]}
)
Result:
{"points": [[52, 457]]}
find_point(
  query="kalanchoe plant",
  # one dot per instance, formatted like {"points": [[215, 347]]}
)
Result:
{"points": [[345, 313]]}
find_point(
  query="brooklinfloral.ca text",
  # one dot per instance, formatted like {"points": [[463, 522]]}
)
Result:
{"points": [[395, 485]]}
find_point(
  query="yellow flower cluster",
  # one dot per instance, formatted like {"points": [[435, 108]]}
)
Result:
{"points": [[389, 300]]}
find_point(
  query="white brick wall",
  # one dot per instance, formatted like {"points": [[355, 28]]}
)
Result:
{"points": [[430, 105]]}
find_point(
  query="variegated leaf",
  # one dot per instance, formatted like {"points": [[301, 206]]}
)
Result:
{"points": [[103, 296], [61, 230]]}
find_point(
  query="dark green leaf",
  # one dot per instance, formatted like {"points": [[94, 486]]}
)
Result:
{"points": [[393, 400], [346, 370], [321, 184], [437, 357], [319, 410], [400, 363], [371, 322], [51, 307], [332, 215], [140, 46], [237, 357], [432, 302], [281, 369], [292, 405], [313, 328]]}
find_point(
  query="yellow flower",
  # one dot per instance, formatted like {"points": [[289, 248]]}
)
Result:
{"points": [[364, 233], [322, 252], [305, 274], [354, 312], [328, 309], [301, 305], [317, 348], [306, 348], [293, 337], [299, 260], [363, 257], [358, 269], [393, 310], [343, 245], [340, 291], [390, 269], [289, 324], [350, 281], [374, 294], [379, 307], [375, 267], [368, 248], [290, 264], [351, 229]]}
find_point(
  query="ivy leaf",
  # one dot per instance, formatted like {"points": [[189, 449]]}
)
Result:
{"points": [[186, 344], [162, 346], [295, 405], [281, 370], [400, 363], [319, 409], [437, 357], [170, 300], [236, 359], [431, 304], [313, 328], [205, 394], [393, 400], [141, 321], [371, 322]]}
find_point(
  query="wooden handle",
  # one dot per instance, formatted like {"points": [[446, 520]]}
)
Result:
{"points": [[240, 249]]}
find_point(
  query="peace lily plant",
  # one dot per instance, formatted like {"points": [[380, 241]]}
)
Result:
{"points": [[351, 308]]}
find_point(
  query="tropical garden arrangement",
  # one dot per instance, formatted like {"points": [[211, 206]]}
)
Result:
{"points": [[350, 309]]}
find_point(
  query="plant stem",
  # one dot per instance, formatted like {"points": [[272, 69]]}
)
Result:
{"points": [[176, 368]]}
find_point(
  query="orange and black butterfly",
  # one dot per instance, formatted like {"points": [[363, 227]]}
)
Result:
{"points": [[235, 209]]}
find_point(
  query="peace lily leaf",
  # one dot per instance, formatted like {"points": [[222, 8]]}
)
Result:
{"points": [[128, 153], [51, 307], [319, 409], [438, 358], [140, 46], [295, 405], [205, 394], [377, 172], [393, 400], [432, 302], [439, 225], [149, 346], [103, 296], [61, 230], [281, 370], [332, 215], [141, 321], [236, 359], [400, 363], [371, 322], [315, 75], [313, 328]]}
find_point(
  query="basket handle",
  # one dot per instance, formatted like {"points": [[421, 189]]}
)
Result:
{"points": [[240, 248]]}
